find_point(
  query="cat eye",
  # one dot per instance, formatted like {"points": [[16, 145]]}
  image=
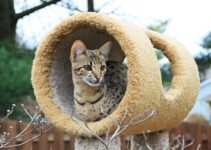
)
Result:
{"points": [[102, 67], [88, 67]]}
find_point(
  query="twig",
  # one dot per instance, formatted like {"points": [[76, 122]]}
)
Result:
{"points": [[198, 147], [102, 141], [70, 6], [37, 121], [133, 121], [86, 128], [147, 145], [181, 143], [104, 5], [115, 9], [20, 134], [27, 112], [191, 143], [102, 111], [32, 139], [120, 126], [9, 112]]}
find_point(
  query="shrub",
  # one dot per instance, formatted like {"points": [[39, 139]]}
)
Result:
{"points": [[15, 76]]}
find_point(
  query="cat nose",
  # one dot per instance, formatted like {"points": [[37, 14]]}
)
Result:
{"points": [[97, 77]]}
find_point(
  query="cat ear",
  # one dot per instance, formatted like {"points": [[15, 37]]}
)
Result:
{"points": [[105, 49], [78, 49]]}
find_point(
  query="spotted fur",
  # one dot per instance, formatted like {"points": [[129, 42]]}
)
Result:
{"points": [[97, 82]]}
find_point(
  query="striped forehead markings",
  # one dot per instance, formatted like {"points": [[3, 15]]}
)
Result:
{"points": [[94, 58]]}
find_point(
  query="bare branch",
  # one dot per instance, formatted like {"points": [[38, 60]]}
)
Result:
{"points": [[9, 112], [104, 5], [147, 114], [27, 112], [101, 109], [29, 11], [134, 121], [177, 143], [86, 128], [102, 141], [32, 139], [147, 145], [198, 147], [36, 120], [191, 143], [181, 143], [114, 10], [71, 6]]}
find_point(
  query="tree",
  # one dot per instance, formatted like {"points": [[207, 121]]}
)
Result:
{"points": [[15, 72], [9, 17], [203, 59], [90, 4], [207, 41]]}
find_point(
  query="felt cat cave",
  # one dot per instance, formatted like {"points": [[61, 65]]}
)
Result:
{"points": [[52, 80]]}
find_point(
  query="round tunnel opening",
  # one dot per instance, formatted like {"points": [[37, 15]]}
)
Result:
{"points": [[61, 71]]}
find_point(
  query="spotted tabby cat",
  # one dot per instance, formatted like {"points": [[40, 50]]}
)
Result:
{"points": [[97, 82]]}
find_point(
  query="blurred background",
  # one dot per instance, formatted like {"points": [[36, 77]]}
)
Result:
{"points": [[24, 23]]}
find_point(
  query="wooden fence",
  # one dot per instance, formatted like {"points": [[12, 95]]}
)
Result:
{"points": [[57, 140]]}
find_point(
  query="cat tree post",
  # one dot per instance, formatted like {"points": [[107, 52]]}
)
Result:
{"points": [[150, 141], [52, 77], [93, 144]]}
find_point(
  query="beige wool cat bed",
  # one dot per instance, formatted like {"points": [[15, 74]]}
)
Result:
{"points": [[52, 80]]}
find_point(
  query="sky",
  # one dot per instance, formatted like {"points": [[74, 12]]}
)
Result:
{"points": [[189, 19]]}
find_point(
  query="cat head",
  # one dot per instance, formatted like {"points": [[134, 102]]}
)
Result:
{"points": [[89, 65]]}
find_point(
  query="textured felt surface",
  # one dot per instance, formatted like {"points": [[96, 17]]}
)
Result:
{"points": [[144, 88]]}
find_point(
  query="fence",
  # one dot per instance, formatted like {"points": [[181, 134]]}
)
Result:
{"points": [[57, 140]]}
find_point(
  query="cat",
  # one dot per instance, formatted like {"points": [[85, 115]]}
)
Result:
{"points": [[98, 83]]}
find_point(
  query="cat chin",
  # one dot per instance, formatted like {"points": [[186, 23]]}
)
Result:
{"points": [[93, 84]]}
